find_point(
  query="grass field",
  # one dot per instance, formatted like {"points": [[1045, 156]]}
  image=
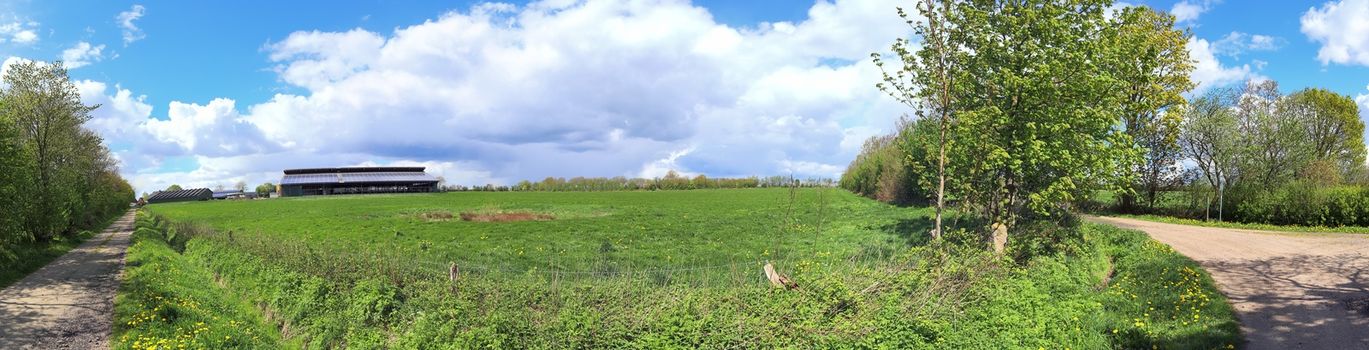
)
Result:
{"points": [[590, 230], [866, 277]]}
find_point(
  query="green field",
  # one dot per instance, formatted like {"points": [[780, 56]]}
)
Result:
{"points": [[667, 269], [591, 230]]}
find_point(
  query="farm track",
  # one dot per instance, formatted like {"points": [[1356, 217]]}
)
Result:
{"points": [[68, 304], [1290, 291]]}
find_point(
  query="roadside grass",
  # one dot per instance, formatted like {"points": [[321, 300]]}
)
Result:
{"points": [[32, 256], [166, 302], [1247, 226], [867, 279]]}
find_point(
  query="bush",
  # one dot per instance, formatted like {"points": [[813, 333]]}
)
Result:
{"points": [[1300, 203]]}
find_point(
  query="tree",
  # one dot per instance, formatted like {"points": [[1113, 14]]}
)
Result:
{"points": [[264, 189], [241, 186], [1036, 108], [1152, 62], [1274, 141], [1332, 125], [924, 81], [47, 108], [14, 159], [1210, 137], [174, 187]]}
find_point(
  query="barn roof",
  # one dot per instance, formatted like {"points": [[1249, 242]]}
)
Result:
{"points": [[356, 175], [182, 194]]}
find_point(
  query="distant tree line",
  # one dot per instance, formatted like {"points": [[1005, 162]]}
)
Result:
{"points": [[1261, 156], [671, 181], [56, 177]]}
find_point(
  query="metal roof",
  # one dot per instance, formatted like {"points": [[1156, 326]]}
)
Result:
{"points": [[182, 194], [369, 177], [354, 170]]}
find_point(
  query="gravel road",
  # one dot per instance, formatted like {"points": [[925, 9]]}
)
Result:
{"points": [[68, 304], [1290, 290]]}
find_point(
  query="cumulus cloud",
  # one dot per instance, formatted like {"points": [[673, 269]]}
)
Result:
{"points": [[131, 32], [1189, 11], [19, 32], [1237, 43], [1342, 28], [499, 93], [1208, 71], [82, 55]]}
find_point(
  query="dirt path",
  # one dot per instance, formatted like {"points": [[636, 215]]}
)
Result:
{"points": [[68, 304], [1291, 291]]}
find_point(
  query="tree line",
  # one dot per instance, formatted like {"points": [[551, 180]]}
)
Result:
{"points": [[1262, 156], [56, 177], [1021, 108], [671, 181]]}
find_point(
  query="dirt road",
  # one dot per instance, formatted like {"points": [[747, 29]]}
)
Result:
{"points": [[1290, 290], [68, 304]]}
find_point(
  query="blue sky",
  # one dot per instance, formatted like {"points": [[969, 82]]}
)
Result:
{"points": [[210, 94]]}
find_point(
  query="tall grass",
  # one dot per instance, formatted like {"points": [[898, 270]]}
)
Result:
{"points": [[898, 292]]}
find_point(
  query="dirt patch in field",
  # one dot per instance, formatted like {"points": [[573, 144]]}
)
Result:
{"points": [[506, 217], [431, 216]]}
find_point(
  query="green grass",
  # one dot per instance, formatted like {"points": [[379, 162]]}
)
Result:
{"points": [[637, 230], [165, 302], [681, 270], [1247, 226], [32, 256]]}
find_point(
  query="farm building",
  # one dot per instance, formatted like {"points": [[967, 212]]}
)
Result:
{"points": [[356, 180], [194, 194], [234, 194]]}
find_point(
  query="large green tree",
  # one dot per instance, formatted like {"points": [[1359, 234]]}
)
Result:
{"points": [[1334, 132], [45, 105], [1152, 62], [1037, 107]]}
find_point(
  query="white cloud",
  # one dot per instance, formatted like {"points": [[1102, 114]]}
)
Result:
{"points": [[1208, 71], [131, 32], [501, 93], [1237, 43], [663, 166], [26, 36], [1342, 28], [19, 32], [82, 54], [1363, 101], [1189, 11]]}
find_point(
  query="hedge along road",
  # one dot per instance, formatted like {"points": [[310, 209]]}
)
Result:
{"points": [[68, 304], [1290, 290]]}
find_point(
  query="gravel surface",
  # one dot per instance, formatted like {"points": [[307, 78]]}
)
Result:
{"points": [[1290, 290], [68, 304]]}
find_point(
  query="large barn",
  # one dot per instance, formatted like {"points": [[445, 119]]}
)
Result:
{"points": [[356, 180], [194, 194]]}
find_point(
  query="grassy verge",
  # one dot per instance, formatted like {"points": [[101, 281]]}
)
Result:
{"points": [[1246, 226], [165, 302], [1111, 289], [34, 255]]}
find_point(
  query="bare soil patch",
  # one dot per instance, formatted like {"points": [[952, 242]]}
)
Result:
{"points": [[435, 216], [505, 217]]}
